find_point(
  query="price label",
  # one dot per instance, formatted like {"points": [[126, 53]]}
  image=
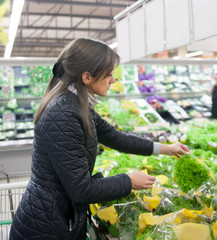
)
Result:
{"points": [[8, 117], [5, 89]]}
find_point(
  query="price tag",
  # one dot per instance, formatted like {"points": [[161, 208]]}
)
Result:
{"points": [[8, 117], [5, 89]]}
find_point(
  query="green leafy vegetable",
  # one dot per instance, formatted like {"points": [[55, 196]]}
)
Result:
{"points": [[189, 173]]}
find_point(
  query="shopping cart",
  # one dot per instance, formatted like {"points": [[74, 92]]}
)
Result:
{"points": [[11, 191], [12, 188]]}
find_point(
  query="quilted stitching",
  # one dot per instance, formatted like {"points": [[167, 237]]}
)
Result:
{"points": [[63, 158]]}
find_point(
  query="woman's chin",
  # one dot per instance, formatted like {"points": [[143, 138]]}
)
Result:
{"points": [[103, 94]]}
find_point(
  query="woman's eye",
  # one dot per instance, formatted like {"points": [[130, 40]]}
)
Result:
{"points": [[109, 75]]}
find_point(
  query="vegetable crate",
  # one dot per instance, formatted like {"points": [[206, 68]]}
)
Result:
{"points": [[10, 196]]}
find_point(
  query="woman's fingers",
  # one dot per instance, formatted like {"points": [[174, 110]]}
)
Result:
{"points": [[151, 178], [177, 155], [141, 180], [185, 148], [179, 148], [148, 186], [175, 148]]}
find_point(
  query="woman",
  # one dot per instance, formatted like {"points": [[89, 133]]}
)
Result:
{"points": [[67, 131]]}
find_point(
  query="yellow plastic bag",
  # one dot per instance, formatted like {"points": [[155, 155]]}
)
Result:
{"points": [[160, 219], [108, 214], [151, 203], [94, 208], [215, 230], [192, 231], [145, 219], [163, 179]]}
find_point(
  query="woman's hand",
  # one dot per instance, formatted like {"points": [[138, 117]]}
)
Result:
{"points": [[175, 149], [141, 180]]}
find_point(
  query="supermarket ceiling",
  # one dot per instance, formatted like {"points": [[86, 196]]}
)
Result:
{"points": [[46, 26]]}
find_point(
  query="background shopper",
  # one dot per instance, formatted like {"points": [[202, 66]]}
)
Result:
{"points": [[214, 98]]}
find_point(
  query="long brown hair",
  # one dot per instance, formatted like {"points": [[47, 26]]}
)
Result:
{"points": [[79, 56]]}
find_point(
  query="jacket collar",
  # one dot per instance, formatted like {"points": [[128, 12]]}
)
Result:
{"points": [[92, 99]]}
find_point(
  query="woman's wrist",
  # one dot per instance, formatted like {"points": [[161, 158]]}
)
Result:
{"points": [[165, 149]]}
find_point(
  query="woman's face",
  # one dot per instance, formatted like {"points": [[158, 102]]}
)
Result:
{"points": [[101, 86]]}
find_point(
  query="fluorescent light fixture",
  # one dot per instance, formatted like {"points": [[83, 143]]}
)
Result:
{"points": [[193, 54], [14, 22], [113, 45], [176, 57]]}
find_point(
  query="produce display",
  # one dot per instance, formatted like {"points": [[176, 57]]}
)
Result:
{"points": [[125, 76], [197, 107], [30, 82], [183, 201], [173, 78], [16, 121], [123, 115], [127, 114]]}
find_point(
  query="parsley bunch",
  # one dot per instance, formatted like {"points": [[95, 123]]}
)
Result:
{"points": [[189, 173]]}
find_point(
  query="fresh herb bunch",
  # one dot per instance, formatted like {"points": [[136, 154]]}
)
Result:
{"points": [[203, 154], [125, 162], [158, 232], [189, 173], [128, 223], [171, 204], [200, 135], [162, 164]]}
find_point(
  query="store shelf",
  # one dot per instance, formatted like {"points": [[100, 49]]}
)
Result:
{"points": [[20, 61], [22, 101], [16, 145], [183, 61], [16, 156], [169, 95]]}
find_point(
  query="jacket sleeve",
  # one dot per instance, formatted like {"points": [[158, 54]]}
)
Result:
{"points": [[214, 102], [64, 141], [214, 93], [123, 142]]}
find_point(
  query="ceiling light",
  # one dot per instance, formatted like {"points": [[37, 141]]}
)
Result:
{"points": [[193, 54], [14, 22], [176, 57], [113, 45]]}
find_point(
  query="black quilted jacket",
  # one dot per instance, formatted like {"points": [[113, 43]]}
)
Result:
{"points": [[61, 186], [214, 102]]}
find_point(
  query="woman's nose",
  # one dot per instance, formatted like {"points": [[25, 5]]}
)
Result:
{"points": [[112, 79]]}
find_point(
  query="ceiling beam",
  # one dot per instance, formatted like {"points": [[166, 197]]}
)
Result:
{"points": [[79, 3], [67, 15], [40, 44], [69, 29], [43, 39]]}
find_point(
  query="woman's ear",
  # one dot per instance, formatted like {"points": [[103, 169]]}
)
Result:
{"points": [[87, 78]]}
